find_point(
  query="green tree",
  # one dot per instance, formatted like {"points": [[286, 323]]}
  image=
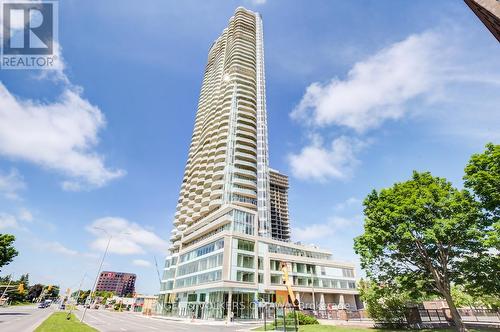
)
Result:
{"points": [[385, 304], [52, 291], [104, 295], [463, 298], [19, 297], [482, 177], [83, 296], [34, 292], [7, 250], [417, 232]]}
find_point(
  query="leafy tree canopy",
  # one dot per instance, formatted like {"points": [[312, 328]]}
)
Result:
{"points": [[7, 250], [418, 232], [481, 273], [482, 176]]}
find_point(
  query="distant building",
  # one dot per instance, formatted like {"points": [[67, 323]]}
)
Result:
{"points": [[278, 190], [120, 283], [145, 304], [488, 11]]}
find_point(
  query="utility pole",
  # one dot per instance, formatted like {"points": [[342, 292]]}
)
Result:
{"points": [[77, 296], [5, 290], [98, 272], [100, 268]]}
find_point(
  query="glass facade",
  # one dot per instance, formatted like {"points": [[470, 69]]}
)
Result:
{"points": [[245, 261], [199, 279], [243, 222], [245, 276], [245, 245], [210, 234], [206, 249], [200, 265], [278, 249]]}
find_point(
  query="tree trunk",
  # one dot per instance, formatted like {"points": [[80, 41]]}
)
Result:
{"points": [[459, 325]]}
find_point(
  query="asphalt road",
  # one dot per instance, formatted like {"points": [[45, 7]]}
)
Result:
{"points": [[106, 321], [22, 318]]}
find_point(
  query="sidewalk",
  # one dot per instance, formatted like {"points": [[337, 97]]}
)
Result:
{"points": [[250, 324], [356, 323]]}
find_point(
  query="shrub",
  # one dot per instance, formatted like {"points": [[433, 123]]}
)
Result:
{"points": [[303, 319]]}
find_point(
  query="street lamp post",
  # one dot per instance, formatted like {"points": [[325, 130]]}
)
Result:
{"points": [[77, 296], [98, 271]]}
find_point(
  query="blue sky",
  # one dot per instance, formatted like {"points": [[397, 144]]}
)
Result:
{"points": [[359, 94]]}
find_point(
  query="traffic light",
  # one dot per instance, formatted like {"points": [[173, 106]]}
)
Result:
{"points": [[20, 288]]}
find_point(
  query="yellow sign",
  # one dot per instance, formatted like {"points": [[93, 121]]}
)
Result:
{"points": [[281, 297]]}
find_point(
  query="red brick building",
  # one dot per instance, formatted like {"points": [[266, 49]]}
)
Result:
{"points": [[120, 283]]}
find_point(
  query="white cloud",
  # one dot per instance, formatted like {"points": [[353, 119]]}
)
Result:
{"points": [[127, 237], [318, 162], [258, 2], [25, 215], [348, 203], [377, 88], [9, 221], [58, 248], [322, 231], [141, 263], [59, 136], [432, 76], [56, 73], [11, 184]]}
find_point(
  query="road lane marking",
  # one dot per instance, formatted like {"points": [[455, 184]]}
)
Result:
{"points": [[112, 316]]}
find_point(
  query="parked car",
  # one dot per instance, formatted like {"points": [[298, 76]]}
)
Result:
{"points": [[62, 306], [43, 304]]}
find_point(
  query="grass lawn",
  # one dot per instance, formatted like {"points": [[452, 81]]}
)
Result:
{"points": [[57, 322], [331, 328]]}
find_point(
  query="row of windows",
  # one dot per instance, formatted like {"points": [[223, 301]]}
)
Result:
{"points": [[296, 267], [313, 269], [243, 177], [243, 222], [206, 249], [273, 248], [200, 265], [167, 285], [245, 245], [245, 276], [170, 262], [276, 279], [210, 234], [199, 279], [168, 274], [245, 261], [243, 199]]}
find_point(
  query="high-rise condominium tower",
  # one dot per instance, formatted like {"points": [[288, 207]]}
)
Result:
{"points": [[228, 162], [278, 190], [221, 249]]}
